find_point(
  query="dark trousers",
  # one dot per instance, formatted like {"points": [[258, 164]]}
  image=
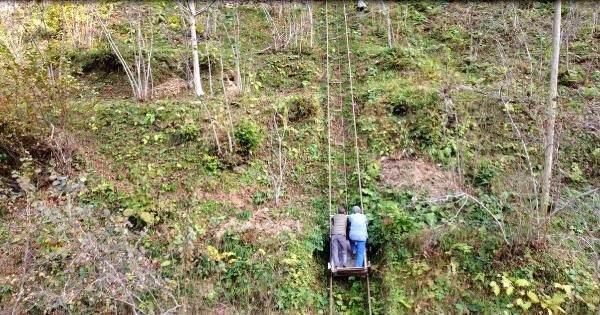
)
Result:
{"points": [[339, 250]]}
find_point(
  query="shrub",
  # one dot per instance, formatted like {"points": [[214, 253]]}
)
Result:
{"points": [[96, 59], [572, 78], [484, 173], [34, 109], [187, 132], [409, 100], [400, 58], [248, 136], [301, 107]]}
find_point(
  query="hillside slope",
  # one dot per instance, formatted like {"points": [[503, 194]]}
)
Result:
{"points": [[112, 205]]}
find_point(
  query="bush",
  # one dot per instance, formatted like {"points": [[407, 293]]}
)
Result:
{"points": [[572, 78], [187, 132], [484, 173], [408, 101], [33, 107], [400, 59], [248, 136], [100, 59], [301, 107]]}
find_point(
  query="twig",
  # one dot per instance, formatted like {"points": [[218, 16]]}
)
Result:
{"points": [[564, 206], [500, 225], [525, 149]]}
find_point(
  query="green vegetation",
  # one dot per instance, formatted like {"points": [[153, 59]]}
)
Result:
{"points": [[112, 205]]}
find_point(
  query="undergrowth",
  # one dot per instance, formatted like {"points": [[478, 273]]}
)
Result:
{"points": [[109, 205]]}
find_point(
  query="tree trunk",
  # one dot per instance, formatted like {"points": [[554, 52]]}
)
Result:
{"points": [[238, 72], [225, 98], [310, 15], [210, 79], [551, 111], [194, 41], [388, 20]]}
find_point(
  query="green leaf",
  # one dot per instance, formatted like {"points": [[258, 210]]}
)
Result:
{"points": [[554, 303], [368, 192], [430, 218], [479, 277], [506, 282]]}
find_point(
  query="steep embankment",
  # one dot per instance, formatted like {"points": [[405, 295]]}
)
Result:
{"points": [[160, 214]]}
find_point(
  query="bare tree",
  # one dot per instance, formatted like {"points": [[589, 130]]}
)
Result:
{"points": [[278, 161], [139, 73], [189, 7], [235, 48], [238, 72], [551, 110], [283, 29], [386, 12], [212, 125], [210, 80], [226, 100], [310, 17], [278, 37]]}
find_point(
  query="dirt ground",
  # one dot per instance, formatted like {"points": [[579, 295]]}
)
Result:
{"points": [[418, 175], [263, 223]]}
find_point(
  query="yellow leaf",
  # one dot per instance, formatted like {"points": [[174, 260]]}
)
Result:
{"points": [[147, 217], [128, 212], [533, 297], [565, 287], [524, 305], [509, 291], [495, 287], [506, 282]]}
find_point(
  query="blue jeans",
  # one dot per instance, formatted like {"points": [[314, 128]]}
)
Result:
{"points": [[359, 247]]}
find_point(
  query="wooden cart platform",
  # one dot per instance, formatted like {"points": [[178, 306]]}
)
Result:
{"points": [[350, 270]]}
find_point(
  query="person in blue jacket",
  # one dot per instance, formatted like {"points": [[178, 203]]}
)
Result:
{"points": [[358, 234]]}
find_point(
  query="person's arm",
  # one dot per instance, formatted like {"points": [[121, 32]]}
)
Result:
{"points": [[331, 222], [348, 225]]}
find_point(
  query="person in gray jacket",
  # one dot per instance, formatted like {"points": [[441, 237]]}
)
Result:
{"points": [[358, 235], [339, 242]]}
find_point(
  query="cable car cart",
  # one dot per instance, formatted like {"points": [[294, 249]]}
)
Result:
{"points": [[350, 269]]}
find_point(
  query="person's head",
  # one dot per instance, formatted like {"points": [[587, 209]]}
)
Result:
{"points": [[341, 210], [356, 209]]}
